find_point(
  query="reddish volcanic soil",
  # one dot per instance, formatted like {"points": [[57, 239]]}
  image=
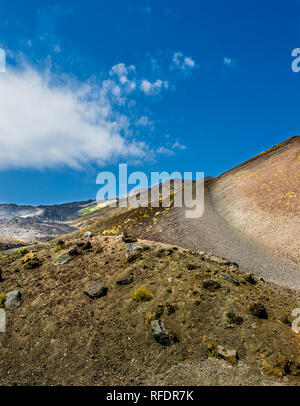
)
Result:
{"points": [[260, 198]]}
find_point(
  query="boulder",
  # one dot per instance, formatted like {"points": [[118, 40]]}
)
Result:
{"points": [[62, 259], [159, 332], [13, 300], [96, 290]]}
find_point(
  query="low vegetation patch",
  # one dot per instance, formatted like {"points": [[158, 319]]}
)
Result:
{"points": [[142, 295]]}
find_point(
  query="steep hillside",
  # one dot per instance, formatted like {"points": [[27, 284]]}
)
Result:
{"points": [[251, 217], [261, 198], [198, 320]]}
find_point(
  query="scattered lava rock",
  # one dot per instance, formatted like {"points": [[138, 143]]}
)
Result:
{"points": [[228, 278], [159, 333], [13, 300], [132, 249], [234, 319], [62, 259], [87, 246], [210, 285], [96, 290], [125, 281], [128, 238], [191, 267], [249, 277], [35, 262], [73, 251], [258, 310]]}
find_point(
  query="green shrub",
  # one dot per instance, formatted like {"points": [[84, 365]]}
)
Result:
{"points": [[142, 295]]}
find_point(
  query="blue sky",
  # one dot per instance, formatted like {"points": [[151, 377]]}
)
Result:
{"points": [[197, 85]]}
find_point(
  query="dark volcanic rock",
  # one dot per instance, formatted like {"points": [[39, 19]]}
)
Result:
{"points": [[62, 259], [211, 285], [13, 300], [96, 290], [129, 238], [125, 281], [258, 310], [159, 333]]}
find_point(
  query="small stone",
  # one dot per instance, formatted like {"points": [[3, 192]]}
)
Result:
{"points": [[13, 300], [228, 278], [62, 259], [211, 285], [173, 279], [87, 246], [191, 267], [88, 234], [249, 277], [125, 281], [128, 238], [132, 248], [159, 332], [220, 352], [258, 310], [227, 354], [133, 257], [96, 290], [73, 251], [234, 319], [170, 309], [34, 263]]}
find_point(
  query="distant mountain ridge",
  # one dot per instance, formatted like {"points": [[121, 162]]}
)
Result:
{"points": [[56, 212]]}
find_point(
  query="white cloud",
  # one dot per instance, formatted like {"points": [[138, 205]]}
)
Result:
{"points": [[184, 63], [144, 121], [230, 62], [179, 146], [165, 151], [121, 70], [46, 124], [153, 88]]}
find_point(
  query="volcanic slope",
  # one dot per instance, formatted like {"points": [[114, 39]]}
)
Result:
{"points": [[221, 325], [251, 217]]}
